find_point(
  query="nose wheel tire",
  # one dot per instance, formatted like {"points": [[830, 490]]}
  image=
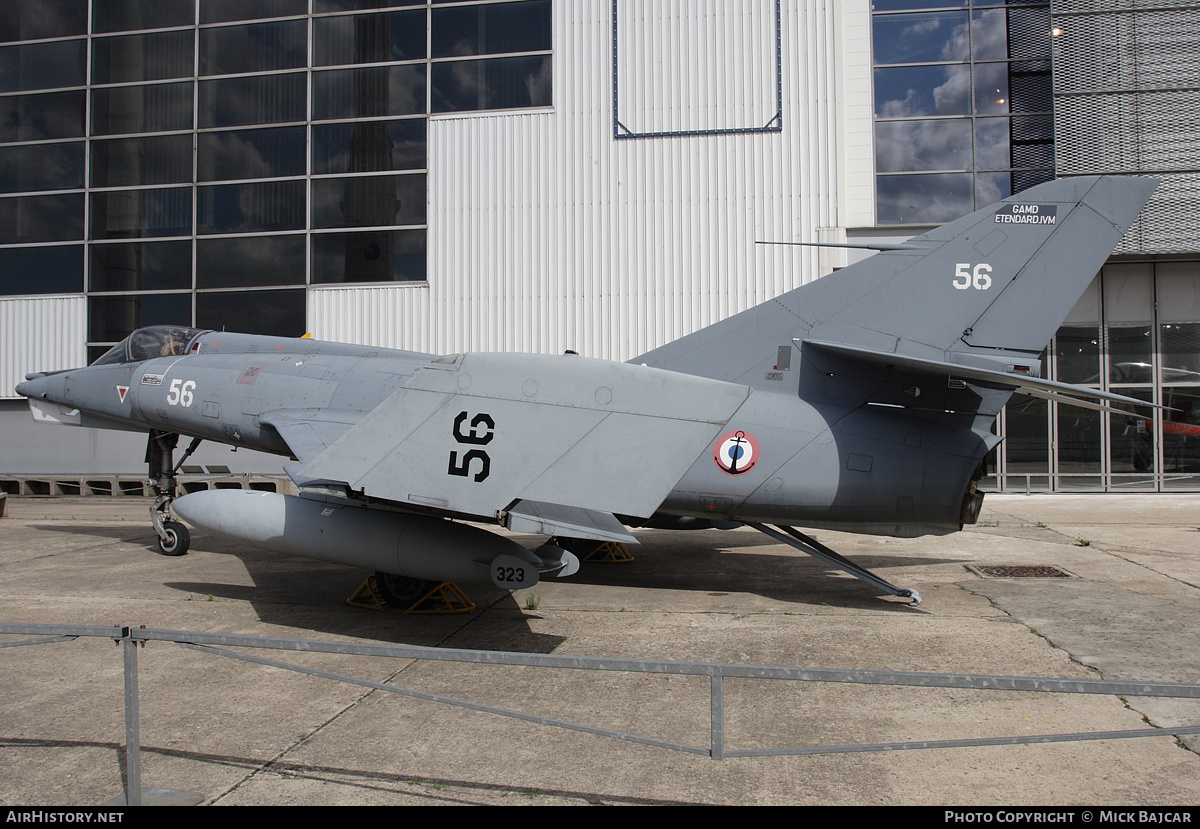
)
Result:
{"points": [[175, 539]]}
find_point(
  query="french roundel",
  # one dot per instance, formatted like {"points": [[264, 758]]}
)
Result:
{"points": [[736, 452]]}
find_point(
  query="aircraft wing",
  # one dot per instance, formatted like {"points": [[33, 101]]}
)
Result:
{"points": [[309, 432], [575, 439]]}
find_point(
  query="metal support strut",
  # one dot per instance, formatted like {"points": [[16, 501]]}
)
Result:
{"points": [[173, 537], [807, 544]]}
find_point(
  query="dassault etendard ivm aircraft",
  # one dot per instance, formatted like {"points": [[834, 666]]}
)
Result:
{"points": [[861, 402]]}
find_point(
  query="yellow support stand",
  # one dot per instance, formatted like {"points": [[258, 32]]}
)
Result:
{"points": [[444, 598], [613, 552]]}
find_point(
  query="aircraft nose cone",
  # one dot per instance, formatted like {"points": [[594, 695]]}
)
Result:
{"points": [[30, 387]]}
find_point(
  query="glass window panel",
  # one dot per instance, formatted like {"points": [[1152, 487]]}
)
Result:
{"points": [[992, 95], [37, 117], [56, 269], [113, 318], [375, 256], [1130, 354], [269, 153], [369, 93], [151, 57], [262, 99], [369, 201], [128, 15], [132, 214], [1027, 435], [133, 162], [490, 29], [1128, 292], [57, 218], [41, 167], [928, 198], [250, 208], [320, 6], [156, 108], [991, 188], [499, 83], [920, 38], [258, 47], [906, 5], [1078, 446], [369, 38], [901, 146], [1180, 343], [1181, 435], [23, 20], [140, 266], [1178, 285], [989, 35], [992, 148], [272, 313], [42, 65], [221, 11], [1078, 354], [369, 146], [922, 90], [250, 261], [1087, 309], [1131, 439]]}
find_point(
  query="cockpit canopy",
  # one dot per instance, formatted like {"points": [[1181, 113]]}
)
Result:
{"points": [[153, 341]]}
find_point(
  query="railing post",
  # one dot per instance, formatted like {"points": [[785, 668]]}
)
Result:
{"points": [[716, 714], [133, 740]]}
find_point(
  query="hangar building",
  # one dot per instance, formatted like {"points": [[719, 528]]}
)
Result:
{"points": [[595, 175]]}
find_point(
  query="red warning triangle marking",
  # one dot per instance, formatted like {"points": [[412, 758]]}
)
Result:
{"points": [[121, 390]]}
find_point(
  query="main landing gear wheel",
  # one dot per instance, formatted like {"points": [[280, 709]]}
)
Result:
{"points": [[175, 539], [400, 591]]}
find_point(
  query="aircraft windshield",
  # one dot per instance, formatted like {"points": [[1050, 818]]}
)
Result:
{"points": [[148, 343]]}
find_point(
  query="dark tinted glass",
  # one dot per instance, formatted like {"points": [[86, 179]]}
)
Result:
{"points": [[42, 65], [909, 91], [923, 145], [369, 201], [1078, 349], [151, 57], [905, 5], [41, 167], [267, 153], [993, 150], [129, 15], [132, 162], [250, 208], [929, 198], [44, 270], [132, 214], [369, 38], [369, 146], [259, 47], [219, 11], [490, 29], [274, 313], [498, 83], [265, 99], [369, 93], [157, 108], [23, 20], [113, 318], [140, 266], [921, 38], [48, 115], [320, 6], [375, 256], [250, 261], [56, 218]]}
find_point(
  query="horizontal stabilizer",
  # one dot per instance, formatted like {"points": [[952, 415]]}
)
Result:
{"points": [[1035, 386]]}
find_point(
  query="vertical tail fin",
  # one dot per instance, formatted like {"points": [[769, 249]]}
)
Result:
{"points": [[997, 282]]}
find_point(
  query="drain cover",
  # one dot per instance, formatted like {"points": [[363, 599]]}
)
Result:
{"points": [[1024, 571]]}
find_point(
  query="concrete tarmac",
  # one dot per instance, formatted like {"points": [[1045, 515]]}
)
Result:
{"points": [[248, 734]]}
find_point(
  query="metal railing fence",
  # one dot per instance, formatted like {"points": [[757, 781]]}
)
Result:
{"points": [[210, 643]]}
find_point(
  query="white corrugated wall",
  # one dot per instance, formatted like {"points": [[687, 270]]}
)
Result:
{"points": [[40, 334], [546, 233]]}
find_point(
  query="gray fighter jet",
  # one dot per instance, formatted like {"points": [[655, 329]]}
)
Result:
{"points": [[863, 402]]}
